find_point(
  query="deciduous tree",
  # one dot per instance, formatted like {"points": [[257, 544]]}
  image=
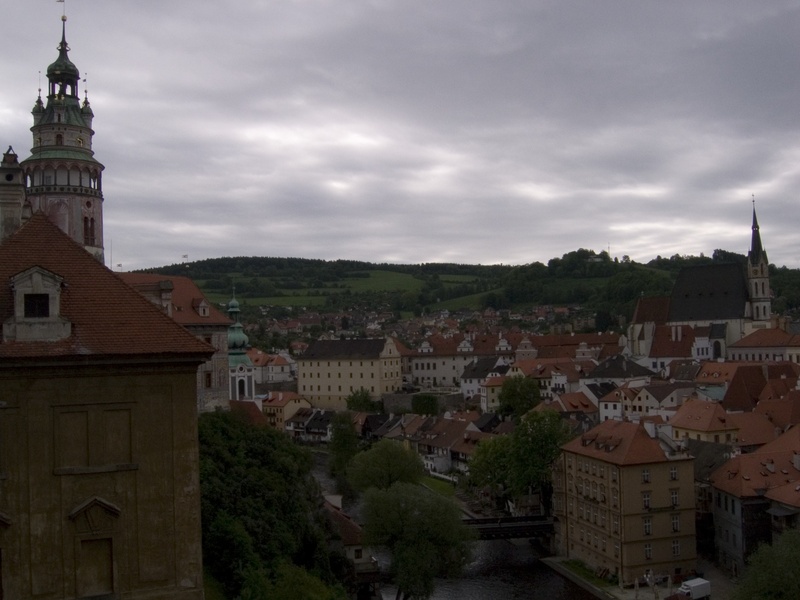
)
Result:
{"points": [[772, 572], [517, 396], [259, 503], [425, 404], [422, 530], [387, 462], [535, 445], [361, 401]]}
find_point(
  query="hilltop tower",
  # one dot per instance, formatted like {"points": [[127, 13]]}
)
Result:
{"points": [[758, 276], [61, 176]]}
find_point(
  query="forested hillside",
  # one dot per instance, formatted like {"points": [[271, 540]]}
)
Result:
{"points": [[591, 280]]}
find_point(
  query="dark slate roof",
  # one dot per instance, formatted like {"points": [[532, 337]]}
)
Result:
{"points": [[320, 420], [487, 421], [708, 457], [709, 293], [719, 331], [479, 368], [357, 349], [685, 370], [601, 389], [619, 367]]}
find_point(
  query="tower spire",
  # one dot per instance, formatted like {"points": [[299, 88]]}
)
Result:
{"points": [[756, 248]]}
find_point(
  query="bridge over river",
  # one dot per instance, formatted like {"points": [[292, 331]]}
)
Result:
{"points": [[508, 528]]}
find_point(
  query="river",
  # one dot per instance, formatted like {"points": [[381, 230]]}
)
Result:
{"points": [[504, 570], [499, 569]]}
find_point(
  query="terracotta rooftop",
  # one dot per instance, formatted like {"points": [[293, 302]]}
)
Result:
{"points": [[754, 429], [186, 298], [108, 318], [653, 309], [781, 412], [672, 341], [702, 415], [618, 442], [762, 338], [576, 402], [249, 410]]}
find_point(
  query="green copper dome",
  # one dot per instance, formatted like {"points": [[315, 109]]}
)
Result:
{"points": [[63, 67]]}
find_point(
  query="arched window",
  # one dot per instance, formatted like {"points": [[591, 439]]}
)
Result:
{"points": [[59, 137]]}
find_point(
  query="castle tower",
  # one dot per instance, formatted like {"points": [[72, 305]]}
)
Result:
{"points": [[12, 194], [62, 177], [758, 276]]}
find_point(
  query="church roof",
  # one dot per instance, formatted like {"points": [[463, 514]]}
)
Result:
{"points": [[108, 318], [709, 293]]}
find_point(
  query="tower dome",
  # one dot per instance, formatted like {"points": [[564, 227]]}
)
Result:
{"points": [[63, 74]]}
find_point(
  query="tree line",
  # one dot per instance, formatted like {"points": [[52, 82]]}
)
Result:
{"points": [[582, 277]]}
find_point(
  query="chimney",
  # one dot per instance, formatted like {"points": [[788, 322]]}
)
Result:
{"points": [[650, 428]]}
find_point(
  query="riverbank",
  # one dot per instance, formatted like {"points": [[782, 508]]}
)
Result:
{"points": [[721, 586]]}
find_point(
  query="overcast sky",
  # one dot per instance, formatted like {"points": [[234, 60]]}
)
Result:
{"points": [[406, 131]]}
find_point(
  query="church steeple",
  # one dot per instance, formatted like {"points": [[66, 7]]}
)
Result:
{"points": [[62, 177], [758, 275]]}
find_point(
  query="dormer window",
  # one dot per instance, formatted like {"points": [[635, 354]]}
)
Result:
{"points": [[37, 308]]}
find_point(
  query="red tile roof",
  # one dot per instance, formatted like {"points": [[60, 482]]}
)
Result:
{"points": [[782, 412], [762, 338], [108, 318], [754, 429], [618, 442], [249, 410], [702, 415], [672, 341], [186, 298], [653, 309]]}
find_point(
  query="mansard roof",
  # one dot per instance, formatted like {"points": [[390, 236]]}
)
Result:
{"points": [[108, 318], [709, 293]]}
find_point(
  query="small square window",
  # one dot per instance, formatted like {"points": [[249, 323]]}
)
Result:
{"points": [[37, 306]]}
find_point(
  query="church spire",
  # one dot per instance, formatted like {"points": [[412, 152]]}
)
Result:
{"points": [[756, 249], [758, 275]]}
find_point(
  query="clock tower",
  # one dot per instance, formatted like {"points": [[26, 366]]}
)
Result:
{"points": [[61, 176]]}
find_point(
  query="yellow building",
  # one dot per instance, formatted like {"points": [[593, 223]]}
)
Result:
{"points": [[279, 407], [624, 502], [330, 370]]}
